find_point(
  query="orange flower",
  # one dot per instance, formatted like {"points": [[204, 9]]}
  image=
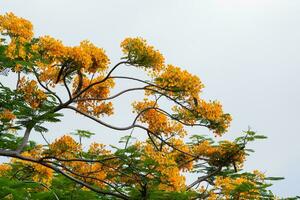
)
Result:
{"points": [[40, 173], [95, 106], [139, 53], [50, 48], [7, 115], [16, 27], [182, 84], [64, 147], [4, 168], [171, 178], [20, 32], [32, 94], [158, 122], [227, 185]]}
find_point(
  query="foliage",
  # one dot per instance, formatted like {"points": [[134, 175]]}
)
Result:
{"points": [[151, 169]]}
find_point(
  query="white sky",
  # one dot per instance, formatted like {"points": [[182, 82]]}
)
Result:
{"points": [[245, 51]]}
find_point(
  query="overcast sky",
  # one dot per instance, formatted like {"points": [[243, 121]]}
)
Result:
{"points": [[246, 52]]}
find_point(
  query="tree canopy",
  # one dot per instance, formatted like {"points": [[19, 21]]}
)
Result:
{"points": [[154, 168]]}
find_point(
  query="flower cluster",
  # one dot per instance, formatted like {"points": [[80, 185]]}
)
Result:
{"points": [[7, 115], [209, 114], [85, 58], [48, 73], [39, 173], [65, 147], [210, 110], [229, 187], [4, 168], [171, 178], [244, 186], [88, 56], [213, 113], [15, 50], [226, 153], [32, 94], [50, 48], [97, 149], [139, 53], [16, 27], [179, 83], [94, 97], [157, 121], [20, 32], [182, 154]]}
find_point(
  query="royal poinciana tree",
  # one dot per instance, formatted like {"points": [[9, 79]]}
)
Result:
{"points": [[153, 168]]}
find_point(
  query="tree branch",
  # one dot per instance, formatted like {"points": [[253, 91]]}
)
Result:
{"points": [[128, 128], [46, 88], [203, 178], [15, 154], [101, 81], [66, 86], [25, 139]]}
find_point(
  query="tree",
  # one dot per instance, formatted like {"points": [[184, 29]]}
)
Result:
{"points": [[150, 169]]}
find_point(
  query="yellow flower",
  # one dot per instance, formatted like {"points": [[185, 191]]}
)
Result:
{"points": [[64, 147], [158, 122], [227, 186], [259, 174], [40, 173], [50, 48], [4, 168], [180, 83], [48, 72], [16, 27], [32, 94], [88, 57], [209, 112], [98, 91], [139, 53], [171, 179], [7, 115], [98, 149], [20, 32], [99, 60]]}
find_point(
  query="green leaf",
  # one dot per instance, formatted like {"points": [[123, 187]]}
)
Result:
{"points": [[274, 178], [260, 137], [83, 133]]}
